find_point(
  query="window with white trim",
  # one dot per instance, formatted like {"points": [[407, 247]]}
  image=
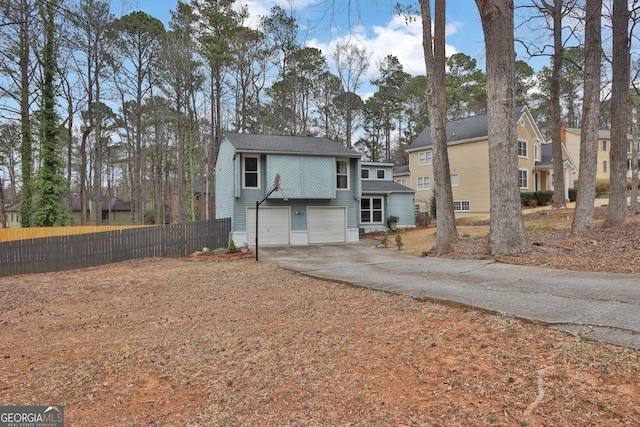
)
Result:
{"points": [[425, 158], [523, 148], [364, 174], [461, 205], [402, 181], [605, 145], [342, 174], [454, 180], [250, 171], [536, 154], [380, 173], [523, 178], [371, 210], [424, 183], [605, 166]]}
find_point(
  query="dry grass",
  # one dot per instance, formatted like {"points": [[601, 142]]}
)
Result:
{"points": [[243, 343], [604, 250]]}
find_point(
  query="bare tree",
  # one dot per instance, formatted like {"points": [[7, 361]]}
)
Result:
{"points": [[507, 234], [434, 53], [621, 64], [583, 215], [352, 62]]}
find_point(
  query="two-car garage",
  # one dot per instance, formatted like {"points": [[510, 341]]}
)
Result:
{"points": [[324, 225]]}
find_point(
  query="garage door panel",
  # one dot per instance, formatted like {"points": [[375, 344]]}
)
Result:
{"points": [[273, 226], [327, 225]]}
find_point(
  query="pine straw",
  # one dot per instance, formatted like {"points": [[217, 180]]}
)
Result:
{"points": [[243, 343], [615, 250]]}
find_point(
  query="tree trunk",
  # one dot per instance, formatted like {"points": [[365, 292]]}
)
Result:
{"points": [[617, 214], [26, 144], [635, 208], [583, 214], [434, 52], [507, 234], [556, 141]]}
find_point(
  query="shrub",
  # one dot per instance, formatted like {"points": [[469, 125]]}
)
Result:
{"points": [[544, 198], [385, 240], [232, 248], [432, 205], [525, 197], [602, 187], [423, 219], [399, 243], [573, 194], [392, 220]]}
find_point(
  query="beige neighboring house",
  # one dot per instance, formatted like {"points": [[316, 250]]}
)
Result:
{"points": [[469, 161], [571, 138]]}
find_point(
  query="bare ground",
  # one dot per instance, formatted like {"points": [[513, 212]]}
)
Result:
{"points": [[242, 343]]}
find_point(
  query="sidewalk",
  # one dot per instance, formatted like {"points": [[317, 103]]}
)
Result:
{"points": [[597, 306]]}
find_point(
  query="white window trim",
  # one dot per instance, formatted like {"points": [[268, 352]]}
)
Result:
{"points": [[605, 145], [536, 152], [368, 171], [526, 171], [384, 174], [605, 166], [526, 148], [402, 181], [251, 156], [348, 174], [423, 160], [428, 183], [371, 210], [457, 179], [461, 204]]}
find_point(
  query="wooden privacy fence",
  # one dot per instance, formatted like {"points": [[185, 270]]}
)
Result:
{"points": [[59, 253]]}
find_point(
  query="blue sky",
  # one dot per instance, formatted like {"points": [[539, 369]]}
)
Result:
{"points": [[376, 25]]}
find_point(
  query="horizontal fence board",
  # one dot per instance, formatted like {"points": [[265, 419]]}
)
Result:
{"points": [[57, 253]]}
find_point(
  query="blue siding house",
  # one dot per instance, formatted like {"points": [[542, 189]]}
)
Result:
{"points": [[382, 197], [321, 204]]}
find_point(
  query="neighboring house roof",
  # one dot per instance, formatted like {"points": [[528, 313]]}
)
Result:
{"points": [[467, 129], [602, 134], [401, 170], [289, 145], [384, 186], [546, 157]]}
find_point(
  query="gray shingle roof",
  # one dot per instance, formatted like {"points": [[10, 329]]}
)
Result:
{"points": [[289, 145], [602, 134], [401, 170], [473, 127], [546, 155], [380, 186]]}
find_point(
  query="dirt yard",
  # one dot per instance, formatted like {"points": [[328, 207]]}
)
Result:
{"points": [[161, 342]]}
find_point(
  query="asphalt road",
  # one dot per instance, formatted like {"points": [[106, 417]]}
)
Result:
{"points": [[596, 306]]}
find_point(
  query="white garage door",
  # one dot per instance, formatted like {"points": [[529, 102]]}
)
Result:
{"points": [[327, 225], [273, 226]]}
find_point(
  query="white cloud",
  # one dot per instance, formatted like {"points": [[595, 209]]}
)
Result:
{"points": [[396, 37]]}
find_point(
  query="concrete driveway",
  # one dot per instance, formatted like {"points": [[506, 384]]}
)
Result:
{"points": [[597, 306]]}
